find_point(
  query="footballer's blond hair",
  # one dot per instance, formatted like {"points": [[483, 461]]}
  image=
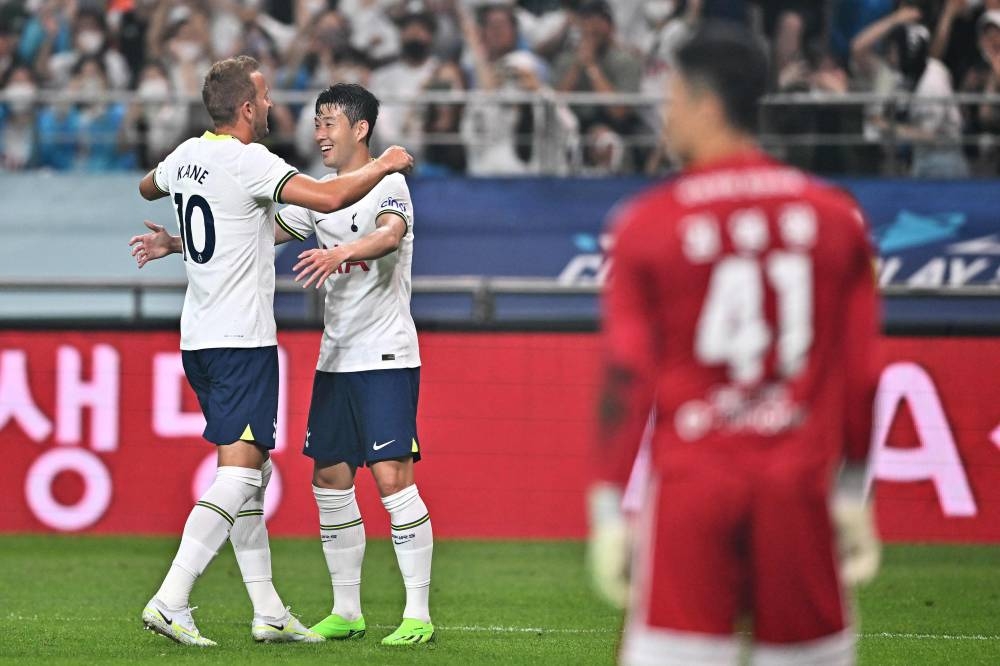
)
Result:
{"points": [[227, 86]]}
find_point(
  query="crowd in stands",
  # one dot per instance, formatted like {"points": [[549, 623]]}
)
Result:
{"points": [[102, 85]]}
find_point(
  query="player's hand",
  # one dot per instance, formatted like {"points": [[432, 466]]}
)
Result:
{"points": [[857, 541], [147, 247], [609, 545], [316, 265], [397, 159]]}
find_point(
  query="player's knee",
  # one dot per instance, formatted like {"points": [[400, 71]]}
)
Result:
{"points": [[392, 486], [339, 476], [392, 476]]}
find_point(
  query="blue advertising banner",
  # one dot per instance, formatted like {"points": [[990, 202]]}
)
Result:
{"points": [[928, 234]]}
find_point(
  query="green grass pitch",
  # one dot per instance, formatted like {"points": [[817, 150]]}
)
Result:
{"points": [[78, 599]]}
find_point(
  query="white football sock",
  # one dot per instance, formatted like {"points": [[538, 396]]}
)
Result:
{"points": [[343, 536], [253, 552], [206, 529], [413, 541]]}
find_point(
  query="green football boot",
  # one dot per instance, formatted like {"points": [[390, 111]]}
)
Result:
{"points": [[410, 632], [335, 627]]}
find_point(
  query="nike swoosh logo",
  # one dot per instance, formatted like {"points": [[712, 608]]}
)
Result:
{"points": [[165, 618], [279, 627], [378, 447]]}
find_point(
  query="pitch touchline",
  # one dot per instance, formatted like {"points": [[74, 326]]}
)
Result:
{"points": [[932, 637], [544, 630], [510, 630]]}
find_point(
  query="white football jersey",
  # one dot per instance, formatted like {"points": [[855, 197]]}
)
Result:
{"points": [[367, 321], [223, 192]]}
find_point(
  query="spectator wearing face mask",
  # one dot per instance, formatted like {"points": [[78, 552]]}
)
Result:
{"points": [[17, 120], [401, 123], [90, 39], [933, 127], [178, 36], [154, 123], [83, 135]]}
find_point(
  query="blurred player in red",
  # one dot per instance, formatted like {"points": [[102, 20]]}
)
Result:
{"points": [[741, 305]]}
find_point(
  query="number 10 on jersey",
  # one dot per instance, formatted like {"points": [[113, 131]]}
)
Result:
{"points": [[184, 221]]}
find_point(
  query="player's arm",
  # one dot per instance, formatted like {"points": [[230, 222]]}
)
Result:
{"points": [[293, 223], [316, 265], [281, 236], [149, 189], [625, 402], [630, 355], [153, 245], [327, 196], [159, 243], [853, 517]]}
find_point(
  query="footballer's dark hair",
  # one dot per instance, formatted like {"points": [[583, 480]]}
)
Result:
{"points": [[729, 61], [354, 101], [227, 86]]}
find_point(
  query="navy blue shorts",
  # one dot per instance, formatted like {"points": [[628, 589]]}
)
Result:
{"points": [[363, 417], [238, 392]]}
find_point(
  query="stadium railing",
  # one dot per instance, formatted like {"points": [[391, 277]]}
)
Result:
{"points": [[482, 293], [789, 122]]}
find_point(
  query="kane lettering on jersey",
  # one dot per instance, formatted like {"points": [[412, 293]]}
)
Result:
{"points": [[367, 320], [742, 302], [223, 193]]}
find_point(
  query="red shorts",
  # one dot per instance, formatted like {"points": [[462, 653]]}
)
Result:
{"points": [[718, 543]]}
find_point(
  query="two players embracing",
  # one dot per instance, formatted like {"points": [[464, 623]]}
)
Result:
{"points": [[364, 401]]}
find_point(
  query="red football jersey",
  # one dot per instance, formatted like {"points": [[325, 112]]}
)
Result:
{"points": [[742, 303]]}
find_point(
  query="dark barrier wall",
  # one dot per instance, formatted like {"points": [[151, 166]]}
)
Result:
{"points": [[100, 433]]}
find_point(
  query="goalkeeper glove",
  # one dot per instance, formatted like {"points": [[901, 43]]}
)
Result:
{"points": [[853, 518], [609, 545]]}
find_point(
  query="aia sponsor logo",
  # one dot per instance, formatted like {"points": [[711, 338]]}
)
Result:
{"points": [[348, 265]]}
